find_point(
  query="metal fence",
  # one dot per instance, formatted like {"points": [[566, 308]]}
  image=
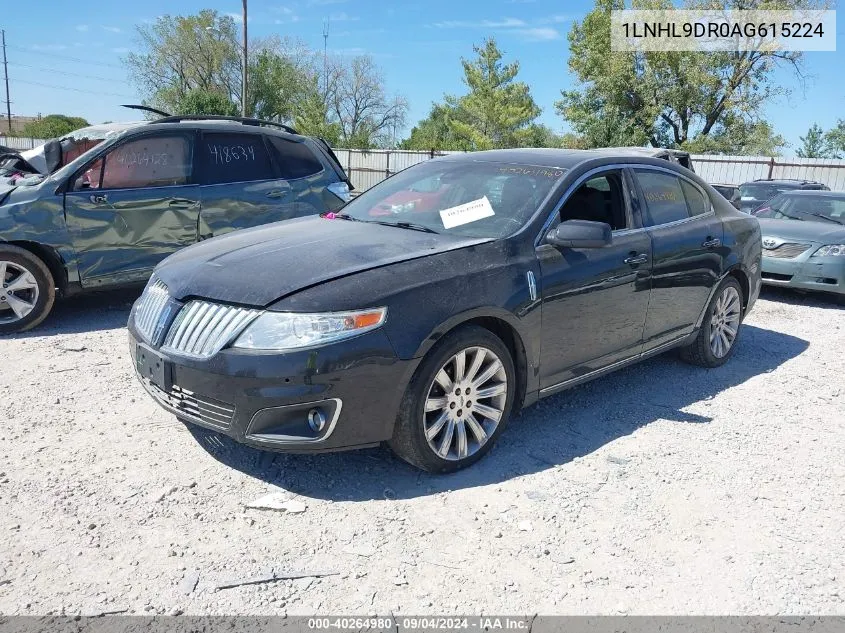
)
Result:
{"points": [[369, 167], [21, 143]]}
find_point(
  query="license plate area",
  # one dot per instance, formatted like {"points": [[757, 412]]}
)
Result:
{"points": [[153, 367]]}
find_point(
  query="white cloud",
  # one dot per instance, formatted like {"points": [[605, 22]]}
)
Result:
{"points": [[82, 27], [506, 23], [288, 15], [343, 17], [539, 34], [556, 19], [111, 29]]}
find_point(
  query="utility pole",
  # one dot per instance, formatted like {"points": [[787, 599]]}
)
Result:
{"points": [[245, 69], [6, 73], [326, 56]]}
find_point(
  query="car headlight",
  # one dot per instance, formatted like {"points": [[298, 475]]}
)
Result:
{"points": [[831, 250], [291, 330]]}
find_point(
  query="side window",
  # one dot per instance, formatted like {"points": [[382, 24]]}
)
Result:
{"points": [[154, 161], [696, 202], [90, 178], [664, 198], [234, 158], [295, 159], [600, 199]]}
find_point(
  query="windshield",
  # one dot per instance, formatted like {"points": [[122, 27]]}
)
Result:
{"points": [[828, 209], [475, 199]]}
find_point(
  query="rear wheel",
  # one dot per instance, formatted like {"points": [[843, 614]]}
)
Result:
{"points": [[457, 403], [716, 340], [28, 290]]}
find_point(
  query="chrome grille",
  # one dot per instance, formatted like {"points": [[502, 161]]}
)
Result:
{"points": [[201, 329], [188, 405], [787, 250], [151, 306]]}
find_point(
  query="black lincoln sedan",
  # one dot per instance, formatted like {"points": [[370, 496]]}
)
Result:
{"points": [[437, 303]]}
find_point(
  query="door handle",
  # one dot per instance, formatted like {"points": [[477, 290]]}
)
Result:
{"points": [[712, 242], [100, 198], [635, 259], [277, 193]]}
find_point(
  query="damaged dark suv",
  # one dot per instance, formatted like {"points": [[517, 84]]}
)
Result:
{"points": [[108, 217]]}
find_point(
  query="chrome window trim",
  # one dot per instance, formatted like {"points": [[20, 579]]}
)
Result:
{"points": [[538, 241]]}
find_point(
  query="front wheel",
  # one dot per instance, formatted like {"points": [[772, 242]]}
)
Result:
{"points": [[457, 403], [28, 290], [716, 340]]}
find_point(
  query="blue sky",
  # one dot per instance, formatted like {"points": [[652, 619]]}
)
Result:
{"points": [[418, 44]]}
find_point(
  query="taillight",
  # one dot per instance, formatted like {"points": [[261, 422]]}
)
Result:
{"points": [[341, 190]]}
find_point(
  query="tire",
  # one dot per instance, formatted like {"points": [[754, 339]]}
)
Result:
{"points": [[725, 308], [36, 291], [474, 428]]}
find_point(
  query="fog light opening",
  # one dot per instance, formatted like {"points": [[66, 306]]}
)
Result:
{"points": [[316, 419]]}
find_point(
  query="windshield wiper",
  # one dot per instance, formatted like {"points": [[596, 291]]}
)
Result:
{"points": [[406, 225], [824, 217]]}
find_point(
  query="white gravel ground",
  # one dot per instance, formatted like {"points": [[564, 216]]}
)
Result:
{"points": [[663, 488]]}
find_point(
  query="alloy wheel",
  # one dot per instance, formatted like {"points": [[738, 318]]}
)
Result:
{"points": [[465, 403], [19, 292], [724, 323]]}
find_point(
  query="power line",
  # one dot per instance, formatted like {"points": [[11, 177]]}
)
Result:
{"points": [[88, 62], [92, 92], [63, 72]]}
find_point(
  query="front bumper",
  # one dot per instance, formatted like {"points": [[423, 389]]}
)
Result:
{"points": [[825, 274], [263, 399]]}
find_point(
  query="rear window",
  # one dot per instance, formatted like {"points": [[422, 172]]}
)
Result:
{"points": [[234, 158], [295, 159], [760, 192]]}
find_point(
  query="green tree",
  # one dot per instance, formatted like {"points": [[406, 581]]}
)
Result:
{"points": [[739, 137], [666, 98], [435, 132], [813, 143], [497, 108], [200, 101], [496, 112], [312, 117], [278, 80], [834, 140], [178, 54], [53, 126]]}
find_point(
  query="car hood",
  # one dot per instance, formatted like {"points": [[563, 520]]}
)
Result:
{"points": [[803, 230], [262, 265]]}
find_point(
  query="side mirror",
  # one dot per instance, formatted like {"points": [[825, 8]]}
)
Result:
{"points": [[580, 234]]}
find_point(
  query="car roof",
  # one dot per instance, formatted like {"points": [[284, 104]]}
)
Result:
{"points": [[220, 126], [557, 158], [814, 192], [782, 181]]}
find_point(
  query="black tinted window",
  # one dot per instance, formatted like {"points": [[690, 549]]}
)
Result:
{"points": [[234, 158], [664, 199], [600, 199], [296, 160], [696, 203]]}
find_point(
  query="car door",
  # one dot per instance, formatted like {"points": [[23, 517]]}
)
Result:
{"points": [[686, 244], [594, 300], [133, 206], [240, 186]]}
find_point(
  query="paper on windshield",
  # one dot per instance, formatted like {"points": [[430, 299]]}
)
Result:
{"points": [[466, 213]]}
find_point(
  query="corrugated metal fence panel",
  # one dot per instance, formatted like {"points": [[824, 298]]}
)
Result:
{"points": [[829, 171], [730, 170], [21, 143]]}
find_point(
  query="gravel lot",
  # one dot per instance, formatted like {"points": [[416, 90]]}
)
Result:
{"points": [[663, 488]]}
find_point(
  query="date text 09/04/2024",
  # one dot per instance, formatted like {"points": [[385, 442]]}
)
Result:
{"points": [[422, 623]]}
